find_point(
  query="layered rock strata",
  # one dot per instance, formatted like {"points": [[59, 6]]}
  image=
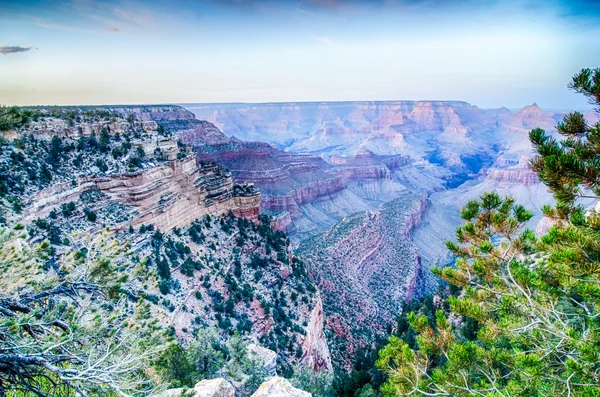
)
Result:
{"points": [[298, 190], [168, 196]]}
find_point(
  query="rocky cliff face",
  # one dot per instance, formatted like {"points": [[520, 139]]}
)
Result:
{"points": [[315, 350], [176, 194], [525, 177], [171, 192], [168, 196]]}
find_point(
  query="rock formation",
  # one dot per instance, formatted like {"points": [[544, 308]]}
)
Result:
{"points": [[315, 352], [172, 193], [176, 194], [218, 387], [525, 177], [279, 387], [273, 387]]}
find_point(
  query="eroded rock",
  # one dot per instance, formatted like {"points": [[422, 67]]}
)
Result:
{"points": [[279, 387], [218, 387]]}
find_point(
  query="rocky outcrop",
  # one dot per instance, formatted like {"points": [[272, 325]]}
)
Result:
{"points": [[203, 132], [168, 196], [315, 352], [172, 118], [267, 357], [282, 220], [279, 387], [218, 387], [273, 387]]}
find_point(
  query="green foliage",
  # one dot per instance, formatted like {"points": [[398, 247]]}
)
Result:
{"points": [[68, 209], [206, 358], [319, 384], [571, 167], [181, 366], [48, 347], [12, 117], [529, 309]]}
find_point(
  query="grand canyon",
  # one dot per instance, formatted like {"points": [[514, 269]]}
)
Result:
{"points": [[299, 198], [346, 180], [367, 193]]}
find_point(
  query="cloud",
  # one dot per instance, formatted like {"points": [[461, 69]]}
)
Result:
{"points": [[140, 16], [5, 49], [325, 40], [112, 30]]}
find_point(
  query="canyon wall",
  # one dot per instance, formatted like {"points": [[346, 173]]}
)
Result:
{"points": [[176, 194], [525, 177], [304, 193]]}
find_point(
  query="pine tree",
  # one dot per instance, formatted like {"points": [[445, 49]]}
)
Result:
{"points": [[534, 303], [12, 117]]}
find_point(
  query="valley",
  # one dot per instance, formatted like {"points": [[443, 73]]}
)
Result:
{"points": [[367, 208], [343, 179]]}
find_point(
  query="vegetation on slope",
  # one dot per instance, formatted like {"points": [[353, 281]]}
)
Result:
{"points": [[85, 311], [70, 331]]}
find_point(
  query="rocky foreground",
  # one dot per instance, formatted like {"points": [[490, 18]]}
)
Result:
{"points": [[273, 387]]}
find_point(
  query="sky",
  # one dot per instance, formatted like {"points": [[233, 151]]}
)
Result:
{"points": [[490, 53]]}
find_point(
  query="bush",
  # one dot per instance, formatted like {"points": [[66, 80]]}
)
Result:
{"points": [[164, 286], [68, 209], [90, 214]]}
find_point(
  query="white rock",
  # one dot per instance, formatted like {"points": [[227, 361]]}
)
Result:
{"points": [[175, 393], [279, 387], [267, 357], [218, 387]]}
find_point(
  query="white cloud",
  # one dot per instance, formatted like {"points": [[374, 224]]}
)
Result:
{"points": [[325, 40]]}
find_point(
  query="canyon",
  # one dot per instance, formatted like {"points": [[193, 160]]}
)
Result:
{"points": [[364, 266], [370, 191], [367, 191]]}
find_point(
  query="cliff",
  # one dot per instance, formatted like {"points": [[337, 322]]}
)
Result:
{"points": [[197, 255], [166, 188], [522, 176], [315, 352]]}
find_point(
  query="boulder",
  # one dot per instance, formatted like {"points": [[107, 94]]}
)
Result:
{"points": [[279, 387], [218, 387], [267, 357]]}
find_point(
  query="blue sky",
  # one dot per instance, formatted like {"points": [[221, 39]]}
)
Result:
{"points": [[491, 53]]}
